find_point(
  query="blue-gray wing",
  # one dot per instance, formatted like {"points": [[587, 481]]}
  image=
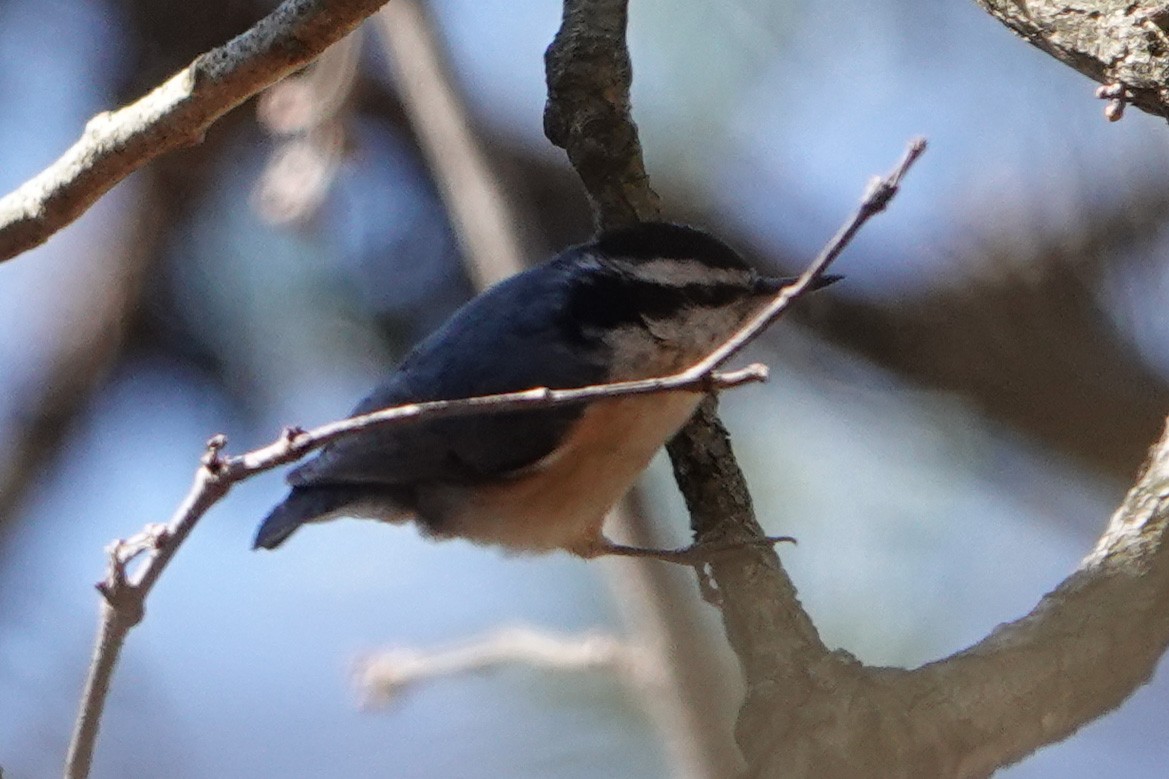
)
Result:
{"points": [[514, 337]]}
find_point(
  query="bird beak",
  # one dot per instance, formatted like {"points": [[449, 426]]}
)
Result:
{"points": [[769, 285]]}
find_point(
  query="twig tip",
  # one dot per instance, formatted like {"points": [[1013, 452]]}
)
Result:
{"points": [[291, 433], [211, 459]]}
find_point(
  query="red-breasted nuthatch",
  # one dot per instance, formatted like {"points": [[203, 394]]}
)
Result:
{"points": [[635, 303]]}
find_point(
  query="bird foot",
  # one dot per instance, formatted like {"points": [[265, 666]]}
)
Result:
{"points": [[696, 554]]}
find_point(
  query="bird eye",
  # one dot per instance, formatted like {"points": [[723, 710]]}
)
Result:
{"points": [[768, 285]]}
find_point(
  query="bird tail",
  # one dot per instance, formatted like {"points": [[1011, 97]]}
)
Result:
{"points": [[318, 503], [303, 504]]}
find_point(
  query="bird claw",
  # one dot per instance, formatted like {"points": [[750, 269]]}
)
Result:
{"points": [[697, 554]]}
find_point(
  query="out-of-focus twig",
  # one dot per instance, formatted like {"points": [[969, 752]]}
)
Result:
{"points": [[314, 96], [384, 677], [1022, 329], [84, 348], [479, 208], [305, 112], [175, 114]]}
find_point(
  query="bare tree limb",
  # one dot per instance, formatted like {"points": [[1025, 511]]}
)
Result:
{"points": [[813, 712], [174, 115], [1123, 45], [1081, 652], [768, 629], [588, 114]]}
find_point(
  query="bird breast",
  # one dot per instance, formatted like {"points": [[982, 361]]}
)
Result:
{"points": [[560, 502]]}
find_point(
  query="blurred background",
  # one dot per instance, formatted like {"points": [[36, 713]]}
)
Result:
{"points": [[946, 432]]}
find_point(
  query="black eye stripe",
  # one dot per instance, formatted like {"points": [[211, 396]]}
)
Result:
{"points": [[709, 295], [609, 300]]}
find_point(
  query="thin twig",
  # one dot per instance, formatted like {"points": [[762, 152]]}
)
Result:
{"points": [[174, 115], [111, 638], [383, 678], [876, 198], [300, 443]]}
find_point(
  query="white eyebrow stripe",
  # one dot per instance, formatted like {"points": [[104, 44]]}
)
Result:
{"points": [[679, 273]]}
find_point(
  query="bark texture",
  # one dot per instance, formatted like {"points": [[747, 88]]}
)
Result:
{"points": [[1121, 44]]}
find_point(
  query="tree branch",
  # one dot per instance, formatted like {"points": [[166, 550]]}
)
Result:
{"points": [[1124, 45], [767, 627], [174, 115], [587, 113], [1083, 649], [813, 712]]}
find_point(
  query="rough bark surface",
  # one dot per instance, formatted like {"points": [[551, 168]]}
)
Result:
{"points": [[587, 113], [1114, 42]]}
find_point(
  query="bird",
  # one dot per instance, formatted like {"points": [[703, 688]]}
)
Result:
{"points": [[635, 302]]}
